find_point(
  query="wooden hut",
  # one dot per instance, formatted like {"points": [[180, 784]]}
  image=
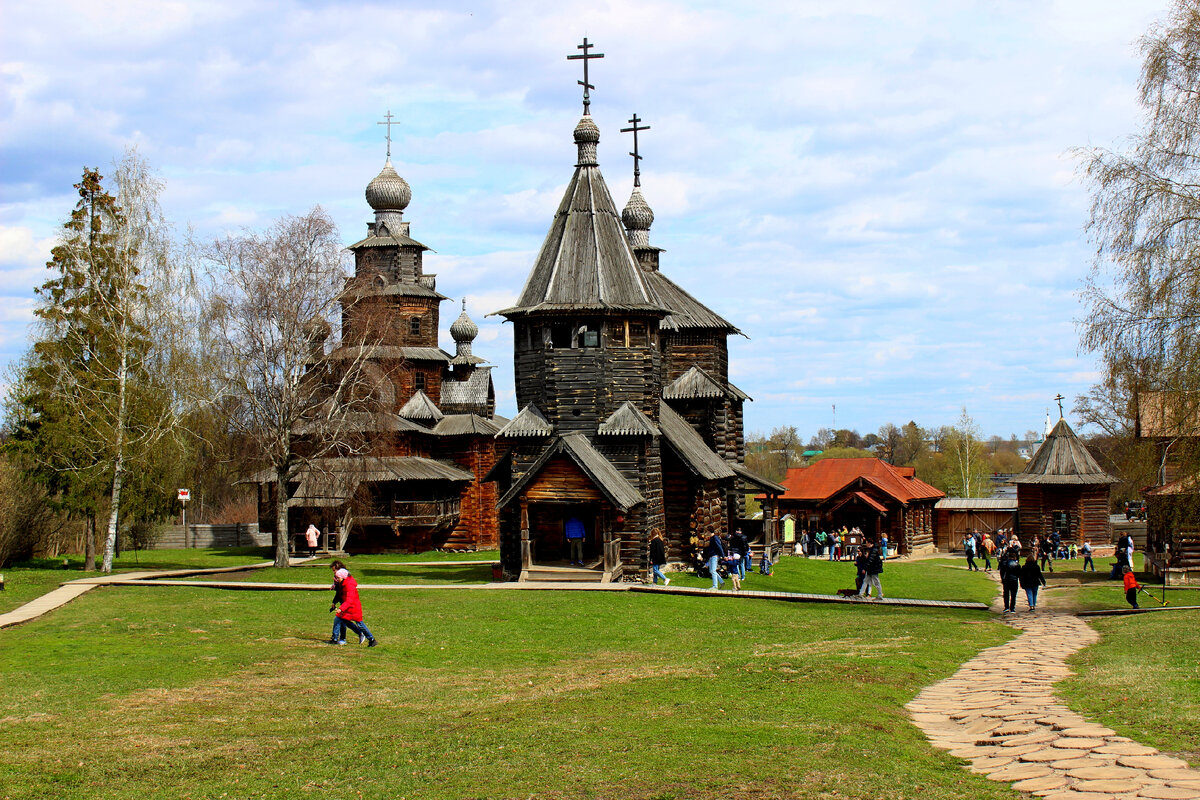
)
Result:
{"points": [[954, 517], [1063, 489], [865, 493]]}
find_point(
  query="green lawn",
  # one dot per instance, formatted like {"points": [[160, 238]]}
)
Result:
{"points": [[177, 692], [1069, 588], [1143, 680], [928, 579]]}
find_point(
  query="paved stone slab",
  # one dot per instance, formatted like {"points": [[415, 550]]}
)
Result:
{"points": [[1103, 773], [1020, 772], [1169, 793], [1079, 743], [1127, 749], [1171, 775], [1111, 786], [1074, 794], [1043, 784]]}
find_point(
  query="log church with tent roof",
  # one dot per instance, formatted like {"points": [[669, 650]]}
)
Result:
{"points": [[628, 421]]}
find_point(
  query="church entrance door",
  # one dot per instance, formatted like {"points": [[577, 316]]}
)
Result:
{"points": [[548, 543]]}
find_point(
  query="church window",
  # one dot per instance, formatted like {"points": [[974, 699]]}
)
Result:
{"points": [[560, 336], [419, 381], [587, 336], [414, 326], [1060, 522]]}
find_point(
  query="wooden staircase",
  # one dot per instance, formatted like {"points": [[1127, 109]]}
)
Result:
{"points": [[593, 573]]}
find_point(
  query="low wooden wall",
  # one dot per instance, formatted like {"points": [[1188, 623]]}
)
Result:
{"points": [[244, 534]]}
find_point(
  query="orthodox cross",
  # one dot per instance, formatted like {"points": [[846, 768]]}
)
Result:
{"points": [[388, 121], [586, 56], [1059, 398], [637, 171]]}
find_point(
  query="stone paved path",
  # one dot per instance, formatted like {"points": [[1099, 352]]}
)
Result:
{"points": [[999, 712]]}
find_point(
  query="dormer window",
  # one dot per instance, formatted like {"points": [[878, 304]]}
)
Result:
{"points": [[414, 326]]}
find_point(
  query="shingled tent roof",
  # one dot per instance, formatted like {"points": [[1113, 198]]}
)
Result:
{"points": [[687, 313], [585, 263], [1063, 459]]}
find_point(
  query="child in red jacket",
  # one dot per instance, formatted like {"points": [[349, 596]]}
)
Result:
{"points": [[1131, 587], [349, 608]]}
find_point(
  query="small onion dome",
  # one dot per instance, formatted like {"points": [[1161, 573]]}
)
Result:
{"points": [[587, 130], [587, 136], [463, 329], [637, 215], [388, 191]]}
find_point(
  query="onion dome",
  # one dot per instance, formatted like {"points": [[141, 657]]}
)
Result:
{"points": [[463, 329], [587, 136], [388, 191], [638, 217]]}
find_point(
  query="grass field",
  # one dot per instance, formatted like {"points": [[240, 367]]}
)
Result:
{"points": [[179, 692], [175, 692], [1143, 680]]}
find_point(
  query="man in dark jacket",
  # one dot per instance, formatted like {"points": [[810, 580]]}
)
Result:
{"points": [[714, 552], [1009, 563], [740, 545], [872, 567]]}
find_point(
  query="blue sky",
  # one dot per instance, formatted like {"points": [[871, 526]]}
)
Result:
{"points": [[880, 194]]}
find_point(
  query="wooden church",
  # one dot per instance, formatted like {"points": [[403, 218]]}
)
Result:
{"points": [[408, 476], [627, 421], [1063, 489]]}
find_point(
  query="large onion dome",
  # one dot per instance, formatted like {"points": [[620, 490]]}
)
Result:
{"points": [[388, 191]]}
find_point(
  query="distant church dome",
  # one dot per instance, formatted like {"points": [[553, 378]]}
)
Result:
{"points": [[464, 330], [637, 215], [388, 191], [587, 136]]}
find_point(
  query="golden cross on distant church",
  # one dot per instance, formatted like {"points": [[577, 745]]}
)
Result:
{"points": [[388, 121], [637, 171], [1059, 398], [586, 56]]}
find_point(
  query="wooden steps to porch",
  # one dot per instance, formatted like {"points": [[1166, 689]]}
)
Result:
{"points": [[544, 574]]}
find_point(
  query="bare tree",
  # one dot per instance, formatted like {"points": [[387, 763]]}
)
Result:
{"points": [[273, 299], [963, 446]]}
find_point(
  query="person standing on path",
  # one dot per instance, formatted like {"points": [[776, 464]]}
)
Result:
{"points": [[883, 546], [872, 568], [1087, 556], [311, 536], [658, 557], [1046, 551], [986, 547], [714, 553], [969, 549], [1131, 587], [1009, 564], [1032, 580], [347, 607], [574, 531]]}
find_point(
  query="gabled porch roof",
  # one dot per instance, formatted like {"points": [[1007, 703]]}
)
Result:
{"points": [[611, 483]]}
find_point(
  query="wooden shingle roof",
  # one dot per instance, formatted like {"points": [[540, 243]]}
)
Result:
{"points": [[611, 483], [528, 422], [690, 447], [628, 420], [585, 263], [1063, 459], [697, 384], [419, 406], [687, 313]]}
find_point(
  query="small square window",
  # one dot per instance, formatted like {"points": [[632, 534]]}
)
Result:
{"points": [[591, 338]]}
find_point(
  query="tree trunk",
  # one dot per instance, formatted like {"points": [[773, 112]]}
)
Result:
{"points": [[114, 514], [89, 544], [282, 533]]}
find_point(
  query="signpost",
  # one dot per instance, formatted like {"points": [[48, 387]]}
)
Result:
{"points": [[184, 496]]}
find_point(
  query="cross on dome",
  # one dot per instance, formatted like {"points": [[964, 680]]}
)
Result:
{"points": [[586, 56], [388, 122], [637, 172]]}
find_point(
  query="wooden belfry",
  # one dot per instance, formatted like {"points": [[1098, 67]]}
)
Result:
{"points": [[627, 419]]}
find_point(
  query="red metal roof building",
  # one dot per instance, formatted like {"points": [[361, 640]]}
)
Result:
{"points": [[866, 493]]}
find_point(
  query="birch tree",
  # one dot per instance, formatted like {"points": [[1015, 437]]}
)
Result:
{"points": [[273, 299]]}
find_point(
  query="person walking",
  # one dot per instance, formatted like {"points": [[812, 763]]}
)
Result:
{"points": [[1131, 587], [1087, 556], [1046, 552], [347, 608], [740, 545], [311, 537], [714, 553], [872, 568], [1032, 580], [1009, 564], [985, 547], [969, 548], [658, 557], [574, 531]]}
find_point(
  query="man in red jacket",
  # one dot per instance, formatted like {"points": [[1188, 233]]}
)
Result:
{"points": [[348, 608]]}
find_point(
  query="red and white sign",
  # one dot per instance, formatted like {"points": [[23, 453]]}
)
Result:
{"points": [[185, 495]]}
